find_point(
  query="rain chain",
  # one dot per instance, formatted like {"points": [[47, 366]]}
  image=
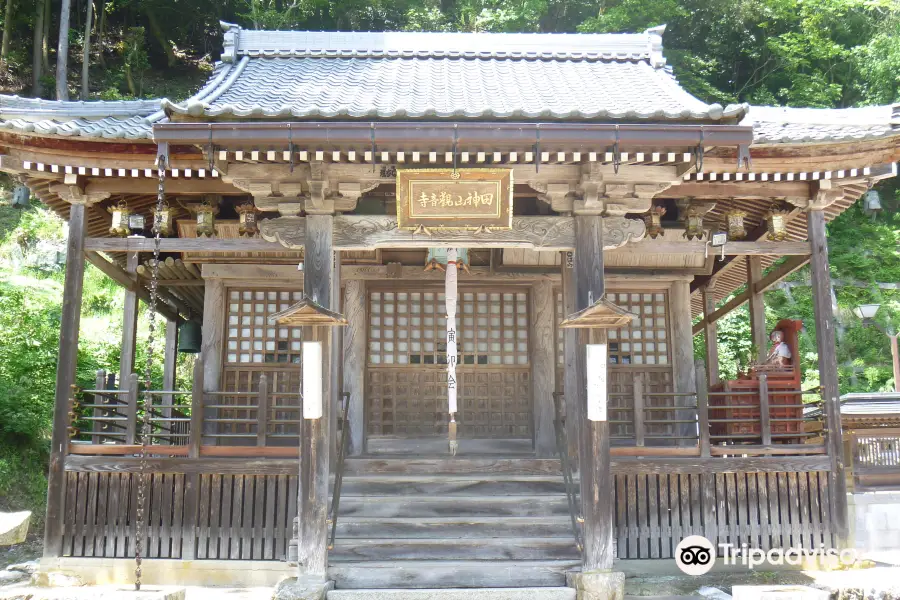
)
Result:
{"points": [[146, 432]]}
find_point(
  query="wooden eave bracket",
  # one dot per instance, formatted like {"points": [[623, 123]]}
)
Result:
{"points": [[74, 190], [308, 312], [602, 314]]}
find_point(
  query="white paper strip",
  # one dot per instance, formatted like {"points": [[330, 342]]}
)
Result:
{"points": [[450, 295], [312, 380], [596, 382]]}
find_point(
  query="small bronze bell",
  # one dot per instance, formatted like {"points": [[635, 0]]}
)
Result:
{"points": [[189, 337]]}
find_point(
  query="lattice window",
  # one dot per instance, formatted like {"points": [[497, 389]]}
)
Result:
{"points": [[409, 328], [646, 341], [250, 339], [643, 343]]}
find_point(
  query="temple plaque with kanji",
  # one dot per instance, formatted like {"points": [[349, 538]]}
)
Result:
{"points": [[448, 199]]}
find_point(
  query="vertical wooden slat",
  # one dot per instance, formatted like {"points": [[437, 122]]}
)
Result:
{"points": [[765, 521], [815, 511], [784, 507], [204, 493], [124, 520], [226, 523], [102, 525], [742, 525], [722, 524], [805, 529], [794, 495], [634, 532], [282, 524], [678, 531], [775, 514], [259, 516], [621, 517], [270, 517], [293, 501], [179, 531], [643, 518], [653, 515], [753, 510], [237, 528], [114, 482], [708, 502], [693, 501], [67, 527], [80, 510]]}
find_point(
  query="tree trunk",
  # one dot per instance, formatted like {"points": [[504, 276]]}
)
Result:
{"points": [[7, 27], [62, 52], [45, 36], [86, 57], [37, 62], [160, 37], [101, 27]]}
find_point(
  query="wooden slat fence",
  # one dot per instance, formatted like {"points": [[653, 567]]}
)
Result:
{"points": [[653, 511], [237, 517]]}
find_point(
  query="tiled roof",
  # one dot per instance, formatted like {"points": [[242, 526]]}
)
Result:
{"points": [[309, 75], [865, 404], [780, 125], [131, 119]]}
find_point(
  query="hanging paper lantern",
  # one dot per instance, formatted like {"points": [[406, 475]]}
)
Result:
{"points": [[653, 221], [120, 213], [693, 224], [734, 223], [776, 221], [163, 220], [206, 220], [249, 226]]}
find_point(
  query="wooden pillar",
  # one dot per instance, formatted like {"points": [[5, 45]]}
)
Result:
{"points": [[65, 378], [682, 354], [574, 410], [758, 331], [355, 361], [336, 382], [212, 333], [595, 468], [711, 333], [314, 459], [129, 325], [543, 367], [828, 370]]}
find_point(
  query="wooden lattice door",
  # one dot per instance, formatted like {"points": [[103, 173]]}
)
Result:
{"points": [[406, 391]]}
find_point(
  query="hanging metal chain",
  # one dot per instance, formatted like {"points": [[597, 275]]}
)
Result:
{"points": [[146, 429]]}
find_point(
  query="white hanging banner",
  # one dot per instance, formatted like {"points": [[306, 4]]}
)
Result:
{"points": [[450, 295], [596, 382]]}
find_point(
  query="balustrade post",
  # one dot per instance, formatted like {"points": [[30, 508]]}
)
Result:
{"points": [[131, 409], [262, 410], [99, 384], [702, 409], [765, 425], [638, 414]]}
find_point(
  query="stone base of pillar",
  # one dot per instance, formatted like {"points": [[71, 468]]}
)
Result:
{"points": [[300, 588], [293, 555], [597, 585]]}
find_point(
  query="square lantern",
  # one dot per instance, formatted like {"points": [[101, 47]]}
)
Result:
{"points": [[119, 226]]}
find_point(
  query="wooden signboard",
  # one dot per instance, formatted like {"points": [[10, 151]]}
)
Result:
{"points": [[448, 199]]}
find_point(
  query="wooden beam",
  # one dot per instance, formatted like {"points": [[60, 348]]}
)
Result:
{"points": [[758, 334], [752, 190], [771, 278], [65, 379], [133, 244], [149, 186], [828, 371]]}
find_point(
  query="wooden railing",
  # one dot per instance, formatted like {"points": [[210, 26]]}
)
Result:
{"points": [[876, 459]]}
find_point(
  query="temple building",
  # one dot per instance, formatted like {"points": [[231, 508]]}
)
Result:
{"points": [[443, 289]]}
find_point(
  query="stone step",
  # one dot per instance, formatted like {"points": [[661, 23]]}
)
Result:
{"points": [[387, 507], [452, 466], [454, 527], [425, 574], [453, 549], [544, 593], [452, 485]]}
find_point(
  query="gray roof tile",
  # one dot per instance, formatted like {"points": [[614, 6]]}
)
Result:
{"points": [[780, 125]]}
